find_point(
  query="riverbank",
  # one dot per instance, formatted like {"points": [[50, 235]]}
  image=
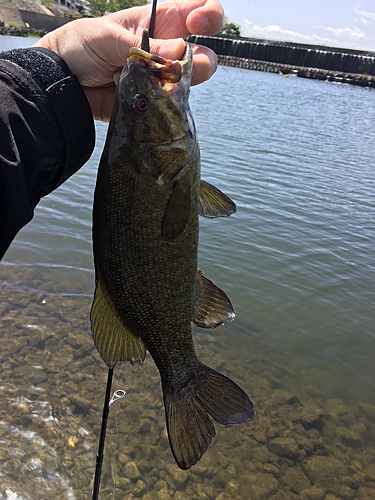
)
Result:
{"points": [[22, 31], [304, 72]]}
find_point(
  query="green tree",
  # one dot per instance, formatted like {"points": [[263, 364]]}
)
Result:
{"points": [[97, 7], [125, 4], [101, 7], [230, 29]]}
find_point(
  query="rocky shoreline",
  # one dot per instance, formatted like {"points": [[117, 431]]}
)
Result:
{"points": [[22, 31], [304, 72]]}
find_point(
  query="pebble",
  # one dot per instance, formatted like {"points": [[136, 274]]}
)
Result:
{"points": [[179, 476], [180, 495], [131, 471], [139, 487]]}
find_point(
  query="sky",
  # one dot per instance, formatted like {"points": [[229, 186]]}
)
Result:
{"points": [[339, 23]]}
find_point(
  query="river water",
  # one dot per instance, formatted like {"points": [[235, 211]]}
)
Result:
{"points": [[297, 261]]}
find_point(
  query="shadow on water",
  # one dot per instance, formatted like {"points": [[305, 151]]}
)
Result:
{"points": [[296, 262]]}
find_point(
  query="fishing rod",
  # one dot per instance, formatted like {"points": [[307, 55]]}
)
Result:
{"points": [[152, 20], [147, 34], [99, 457], [118, 394]]}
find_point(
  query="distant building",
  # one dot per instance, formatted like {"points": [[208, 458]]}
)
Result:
{"points": [[68, 4]]}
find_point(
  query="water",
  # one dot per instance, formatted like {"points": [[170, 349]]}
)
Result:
{"points": [[297, 261], [15, 42]]}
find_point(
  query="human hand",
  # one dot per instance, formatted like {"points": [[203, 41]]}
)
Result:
{"points": [[96, 49]]}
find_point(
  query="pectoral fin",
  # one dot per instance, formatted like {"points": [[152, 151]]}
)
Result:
{"points": [[112, 339], [177, 213], [212, 307], [213, 203]]}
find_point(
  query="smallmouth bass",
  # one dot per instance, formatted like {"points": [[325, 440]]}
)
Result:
{"points": [[145, 235]]}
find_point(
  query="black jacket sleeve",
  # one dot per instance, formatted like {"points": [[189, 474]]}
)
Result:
{"points": [[46, 133]]}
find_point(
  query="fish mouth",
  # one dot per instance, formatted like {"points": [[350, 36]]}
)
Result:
{"points": [[165, 70]]}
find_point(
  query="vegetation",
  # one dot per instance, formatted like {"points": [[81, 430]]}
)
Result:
{"points": [[101, 7], [230, 29]]}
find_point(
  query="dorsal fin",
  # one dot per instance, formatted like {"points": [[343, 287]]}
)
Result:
{"points": [[213, 203]]}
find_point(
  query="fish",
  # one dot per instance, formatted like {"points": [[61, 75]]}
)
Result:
{"points": [[149, 289]]}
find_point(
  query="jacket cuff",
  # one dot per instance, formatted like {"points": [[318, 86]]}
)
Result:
{"points": [[68, 101]]}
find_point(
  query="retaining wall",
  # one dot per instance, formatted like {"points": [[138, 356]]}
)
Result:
{"points": [[310, 61]]}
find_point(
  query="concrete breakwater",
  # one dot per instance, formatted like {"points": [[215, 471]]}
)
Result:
{"points": [[308, 61]]}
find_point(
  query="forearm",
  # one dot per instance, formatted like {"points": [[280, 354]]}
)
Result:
{"points": [[46, 133]]}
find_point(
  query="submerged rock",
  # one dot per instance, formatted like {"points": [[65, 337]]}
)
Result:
{"points": [[368, 410], [296, 479], [350, 436], [284, 447], [313, 494], [180, 495], [258, 486], [324, 471], [311, 417], [131, 471], [336, 408]]}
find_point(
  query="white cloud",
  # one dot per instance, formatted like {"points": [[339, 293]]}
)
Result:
{"points": [[350, 37], [366, 15], [275, 32], [352, 33]]}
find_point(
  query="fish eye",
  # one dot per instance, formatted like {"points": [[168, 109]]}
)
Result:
{"points": [[140, 104]]}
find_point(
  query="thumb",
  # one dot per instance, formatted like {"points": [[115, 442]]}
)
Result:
{"points": [[169, 49]]}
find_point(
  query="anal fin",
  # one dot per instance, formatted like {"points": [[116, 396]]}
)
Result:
{"points": [[112, 339], [212, 306], [213, 203]]}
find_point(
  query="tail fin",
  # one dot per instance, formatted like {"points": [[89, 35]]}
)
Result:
{"points": [[190, 428]]}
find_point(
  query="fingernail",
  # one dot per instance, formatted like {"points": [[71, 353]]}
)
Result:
{"points": [[199, 23], [171, 49]]}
